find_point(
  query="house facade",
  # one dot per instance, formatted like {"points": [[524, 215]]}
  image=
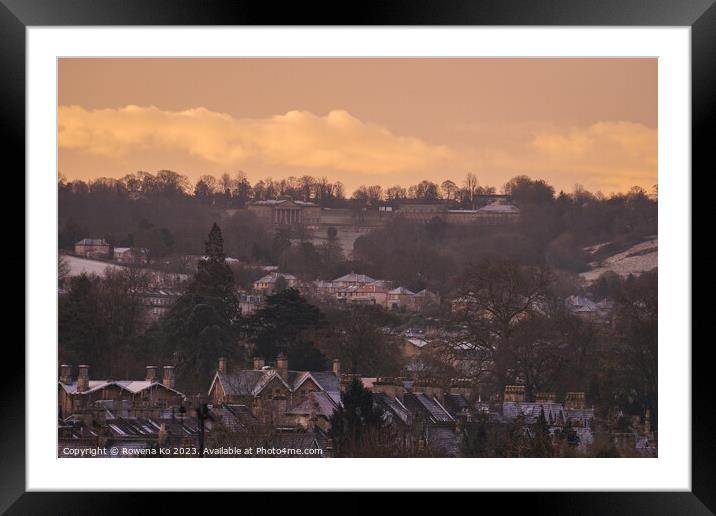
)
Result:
{"points": [[278, 396], [92, 248], [287, 212], [81, 395]]}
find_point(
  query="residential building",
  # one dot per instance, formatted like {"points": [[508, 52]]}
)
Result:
{"points": [[353, 280], [277, 395], [401, 299], [92, 248], [158, 301], [148, 397], [130, 254], [266, 284]]}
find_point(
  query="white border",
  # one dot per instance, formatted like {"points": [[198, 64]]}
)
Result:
{"points": [[670, 471]]}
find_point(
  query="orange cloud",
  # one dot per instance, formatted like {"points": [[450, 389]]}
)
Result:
{"points": [[298, 139], [607, 155]]}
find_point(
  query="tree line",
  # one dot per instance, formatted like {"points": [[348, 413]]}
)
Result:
{"points": [[235, 190]]}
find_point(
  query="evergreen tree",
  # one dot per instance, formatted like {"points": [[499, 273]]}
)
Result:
{"points": [[284, 323], [541, 442], [354, 419], [203, 325]]}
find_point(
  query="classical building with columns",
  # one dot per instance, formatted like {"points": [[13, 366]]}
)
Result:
{"points": [[286, 211]]}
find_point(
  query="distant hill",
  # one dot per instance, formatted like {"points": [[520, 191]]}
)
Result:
{"points": [[636, 259]]}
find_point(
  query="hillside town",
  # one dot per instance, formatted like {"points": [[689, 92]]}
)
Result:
{"points": [[326, 346]]}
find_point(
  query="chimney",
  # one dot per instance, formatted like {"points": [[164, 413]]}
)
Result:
{"points": [[514, 393], [282, 365], [574, 400], [66, 373], [151, 373], [83, 378], [222, 365], [546, 397], [168, 379], [258, 363], [337, 367], [162, 435]]}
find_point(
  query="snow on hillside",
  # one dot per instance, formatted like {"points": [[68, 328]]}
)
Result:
{"points": [[86, 266], [80, 266], [635, 260]]}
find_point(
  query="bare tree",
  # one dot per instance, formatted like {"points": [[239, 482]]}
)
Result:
{"points": [[498, 298]]}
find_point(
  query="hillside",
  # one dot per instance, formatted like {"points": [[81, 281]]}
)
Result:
{"points": [[634, 260]]}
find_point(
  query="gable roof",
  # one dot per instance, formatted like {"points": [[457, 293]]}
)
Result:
{"points": [[133, 386], [355, 278], [402, 290], [250, 382], [272, 277]]}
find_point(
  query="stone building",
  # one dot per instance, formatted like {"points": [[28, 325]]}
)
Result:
{"points": [[266, 284], [92, 248], [276, 395], [287, 212], [80, 396]]}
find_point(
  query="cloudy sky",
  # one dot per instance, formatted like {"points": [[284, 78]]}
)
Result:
{"points": [[364, 121]]}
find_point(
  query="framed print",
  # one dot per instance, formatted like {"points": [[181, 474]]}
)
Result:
{"points": [[414, 250]]}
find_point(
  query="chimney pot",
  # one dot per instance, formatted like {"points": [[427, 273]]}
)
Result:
{"points": [[168, 380], [574, 400], [337, 367], [66, 373], [514, 393], [151, 373], [83, 378], [258, 363], [282, 365]]}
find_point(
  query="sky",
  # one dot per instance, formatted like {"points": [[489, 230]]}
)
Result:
{"points": [[591, 122]]}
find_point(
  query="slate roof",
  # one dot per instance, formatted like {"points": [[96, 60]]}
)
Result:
{"points": [[250, 382], [431, 407], [553, 412], [236, 418], [395, 410], [318, 403], [355, 278], [456, 404]]}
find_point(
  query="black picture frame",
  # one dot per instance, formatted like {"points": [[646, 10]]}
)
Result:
{"points": [[17, 15]]}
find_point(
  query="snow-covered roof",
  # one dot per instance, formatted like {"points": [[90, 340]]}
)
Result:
{"points": [[273, 276], [581, 304], [418, 343], [278, 202], [402, 290], [498, 207], [92, 241], [355, 278], [133, 386]]}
